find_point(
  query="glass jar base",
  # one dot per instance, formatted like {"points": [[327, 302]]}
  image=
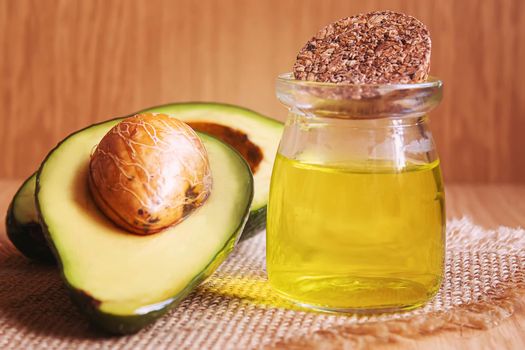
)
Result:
{"points": [[362, 296], [354, 310]]}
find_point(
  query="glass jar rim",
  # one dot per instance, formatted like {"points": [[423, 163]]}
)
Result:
{"points": [[431, 82], [358, 101]]}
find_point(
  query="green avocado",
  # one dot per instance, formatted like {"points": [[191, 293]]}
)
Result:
{"points": [[252, 129], [252, 134], [122, 281], [22, 226]]}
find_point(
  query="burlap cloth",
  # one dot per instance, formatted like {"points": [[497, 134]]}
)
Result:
{"points": [[235, 308]]}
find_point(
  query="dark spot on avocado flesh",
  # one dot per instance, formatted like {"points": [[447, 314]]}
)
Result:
{"points": [[235, 138]]}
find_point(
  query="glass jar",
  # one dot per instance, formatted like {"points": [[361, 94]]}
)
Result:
{"points": [[356, 216]]}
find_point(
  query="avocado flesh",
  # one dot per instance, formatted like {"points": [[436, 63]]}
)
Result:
{"points": [[124, 281], [22, 226], [261, 130]]}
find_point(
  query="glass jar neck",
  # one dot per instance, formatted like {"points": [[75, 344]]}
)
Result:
{"points": [[417, 121], [400, 142]]}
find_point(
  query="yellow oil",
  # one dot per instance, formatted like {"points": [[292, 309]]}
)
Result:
{"points": [[347, 237]]}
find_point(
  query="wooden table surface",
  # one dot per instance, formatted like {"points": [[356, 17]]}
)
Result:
{"points": [[489, 206]]}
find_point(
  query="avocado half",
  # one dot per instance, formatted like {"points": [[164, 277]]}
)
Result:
{"points": [[121, 281], [22, 226], [241, 128], [253, 135]]}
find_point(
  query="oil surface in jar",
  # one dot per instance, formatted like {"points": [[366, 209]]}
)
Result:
{"points": [[356, 236]]}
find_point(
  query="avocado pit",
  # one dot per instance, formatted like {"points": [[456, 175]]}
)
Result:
{"points": [[149, 172]]}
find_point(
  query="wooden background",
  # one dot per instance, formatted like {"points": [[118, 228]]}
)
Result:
{"points": [[65, 64]]}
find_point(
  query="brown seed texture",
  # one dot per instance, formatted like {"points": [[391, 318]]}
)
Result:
{"points": [[149, 172], [372, 48]]}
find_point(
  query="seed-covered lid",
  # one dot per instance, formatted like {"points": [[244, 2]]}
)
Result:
{"points": [[372, 48]]}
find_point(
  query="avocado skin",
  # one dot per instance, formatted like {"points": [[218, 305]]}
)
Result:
{"points": [[27, 237], [121, 325], [114, 324]]}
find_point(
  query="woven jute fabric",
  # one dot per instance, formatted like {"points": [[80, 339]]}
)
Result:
{"points": [[236, 309]]}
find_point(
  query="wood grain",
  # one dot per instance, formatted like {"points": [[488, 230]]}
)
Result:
{"points": [[487, 205], [67, 63]]}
